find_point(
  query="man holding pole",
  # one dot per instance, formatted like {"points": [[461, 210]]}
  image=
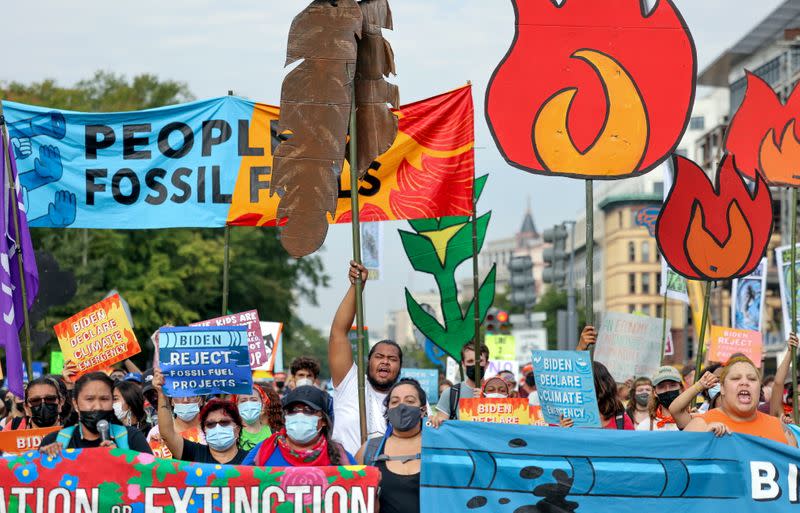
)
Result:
{"points": [[383, 370]]}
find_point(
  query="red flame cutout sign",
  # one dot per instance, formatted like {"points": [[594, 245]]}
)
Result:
{"points": [[593, 89], [714, 231]]}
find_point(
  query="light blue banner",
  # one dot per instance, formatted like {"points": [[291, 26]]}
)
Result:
{"points": [[205, 360], [565, 383], [495, 468], [428, 379]]}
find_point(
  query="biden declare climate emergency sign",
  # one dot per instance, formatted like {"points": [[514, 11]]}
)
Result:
{"points": [[205, 360], [565, 385]]}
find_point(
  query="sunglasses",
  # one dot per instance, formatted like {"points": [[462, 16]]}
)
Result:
{"points": [[223, 423], [35, 402], [302, 408]]}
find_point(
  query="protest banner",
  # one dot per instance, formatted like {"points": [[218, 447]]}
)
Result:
{"points": [[629, 345], [18, 441], [428, 380], [209, 163], [536, 416], [205, 360], [565, 385], [255, 341], [782, 258], [504, 411], [271, 334], [542, 469], [528, 340], [495, 367], [97, 337], [728, 341], [501, 347], [747, 299], [126, 481], [56, 362]]}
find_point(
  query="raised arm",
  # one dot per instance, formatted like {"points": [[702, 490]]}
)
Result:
{"points": [[776, 400], [340, 353], [131, 367], [588, 338], [166, 426], [679, 409]]}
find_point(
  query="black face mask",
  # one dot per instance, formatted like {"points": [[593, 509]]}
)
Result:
{"points": [[471, 373], [89, 419], [666, 398], [45, 415], [8, 405], [530, 380], [404, 417], [279, 384]]}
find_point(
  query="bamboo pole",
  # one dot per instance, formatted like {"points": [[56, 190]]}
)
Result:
{"points": [[476, 288], [12, 197], [226, 262], [793, 303], [355, 224], [701, 341], [589, 287], [664, 328]]}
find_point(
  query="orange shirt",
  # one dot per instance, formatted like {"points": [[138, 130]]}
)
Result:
{"points": [[763, 425]]}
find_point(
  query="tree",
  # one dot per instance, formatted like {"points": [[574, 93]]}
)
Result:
{"points": [[550, 303], [167, 276], [307, 341]]}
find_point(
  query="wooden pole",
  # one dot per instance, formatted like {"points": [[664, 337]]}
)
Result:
{"points": [[698, 363], [13, 198], [793, 303], [226, 262], [476, 288], [360, 349], [589, 287]]}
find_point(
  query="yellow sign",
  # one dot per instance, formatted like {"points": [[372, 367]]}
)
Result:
{"points": [[502, 347]]}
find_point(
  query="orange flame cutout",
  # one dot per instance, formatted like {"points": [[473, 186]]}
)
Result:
{"points": [[781, 162], [697, 239], [621, 144]]}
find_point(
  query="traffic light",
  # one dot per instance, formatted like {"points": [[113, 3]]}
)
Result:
{"points": [[555, 257], [504, 323], [497, 322], [522, 287], [491, 322]]}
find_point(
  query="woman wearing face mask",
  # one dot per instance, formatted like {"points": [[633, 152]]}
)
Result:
{"points": [[93, 403], [220, 423], [185, 423], [495, 388], [129, 406], [612, 412], [666, 385], [738, 406], [306, 439], [42, 406], [639, 405], [251, 408], [397, 454]]}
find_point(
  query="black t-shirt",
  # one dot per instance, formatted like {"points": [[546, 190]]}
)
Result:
{"points": [[199, 453], [136, 440]]}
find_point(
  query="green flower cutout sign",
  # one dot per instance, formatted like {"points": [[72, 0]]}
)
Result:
{"points": [[438, 247]]}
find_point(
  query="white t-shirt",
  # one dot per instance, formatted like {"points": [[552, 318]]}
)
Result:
{"points": [[346, 422], [645, 426]]}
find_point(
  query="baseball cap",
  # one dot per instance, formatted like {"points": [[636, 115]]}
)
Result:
{"points": [[666, 373], [147, 381], [308, 395], [133, 376]]}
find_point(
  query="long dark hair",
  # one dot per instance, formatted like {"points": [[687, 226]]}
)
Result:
{"points": [[273, 409], [606, 388], [132, 395], [335, 449]]}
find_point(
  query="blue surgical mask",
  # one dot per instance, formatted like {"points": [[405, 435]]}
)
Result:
{"points": [[302, 428], [220, 438], [250, 411], [713, 391], [186, 411]]}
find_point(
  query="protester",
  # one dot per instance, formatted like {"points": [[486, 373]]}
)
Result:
{"points": [[447, 408], [781, 403], [5, 405], [445, 384], [129, 406], [41, 407], [624, 391], [679, 401], [511, 380], [185, 421], [306, 440], [496, 388], [384, 362], [304, 370], [688, 373], [642, 397], [15, 407], [665, 386], [93, 401], [612, 412], [219, 421], [737, 412], [766, 387], [273, 412], [251, 408], [279, 382], [711, 395], [398, 454]]}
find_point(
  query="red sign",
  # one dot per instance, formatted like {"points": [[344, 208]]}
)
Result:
{"points": [[22, 440]]}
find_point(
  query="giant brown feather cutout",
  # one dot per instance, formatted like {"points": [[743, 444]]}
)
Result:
{"points": [[316, 102]]}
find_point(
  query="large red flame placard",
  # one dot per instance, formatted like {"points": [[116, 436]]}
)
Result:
{"points": [[714, 231], [592, 89]]}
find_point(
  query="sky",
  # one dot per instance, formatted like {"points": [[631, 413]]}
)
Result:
{"points": [[240, 45]]}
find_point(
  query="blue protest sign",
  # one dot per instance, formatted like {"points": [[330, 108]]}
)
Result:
{"points": [[428, 379], [205, 360], [565, 382]]}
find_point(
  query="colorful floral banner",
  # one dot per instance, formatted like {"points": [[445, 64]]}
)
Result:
{"points": [[118, 481]]}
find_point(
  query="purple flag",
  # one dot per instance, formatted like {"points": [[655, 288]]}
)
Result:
{"points": [[11, 314]]}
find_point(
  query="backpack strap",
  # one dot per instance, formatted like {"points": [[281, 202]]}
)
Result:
{"points": [[16, 422], [455, 395], [620, 418], [65, 436], [120, 435], [372, 449]]}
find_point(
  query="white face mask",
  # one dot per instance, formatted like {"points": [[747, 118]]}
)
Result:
{"points": [[120, 412], [494, 396], [533, 398], [304, 382]]}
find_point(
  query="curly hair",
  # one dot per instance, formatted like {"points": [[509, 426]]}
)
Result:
{"points": [[220, 404], [307, 363], [273, 409], [606, 388]]}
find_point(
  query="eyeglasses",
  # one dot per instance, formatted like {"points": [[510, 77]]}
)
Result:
{"points": [[35, 402], [302, 408], [224, 423]]}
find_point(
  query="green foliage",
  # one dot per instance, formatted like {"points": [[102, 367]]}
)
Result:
{"points": [[308, 341], [550, 303], [167, 276]]}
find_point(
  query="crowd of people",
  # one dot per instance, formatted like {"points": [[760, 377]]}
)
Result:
{"points": [[293, 421]]}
